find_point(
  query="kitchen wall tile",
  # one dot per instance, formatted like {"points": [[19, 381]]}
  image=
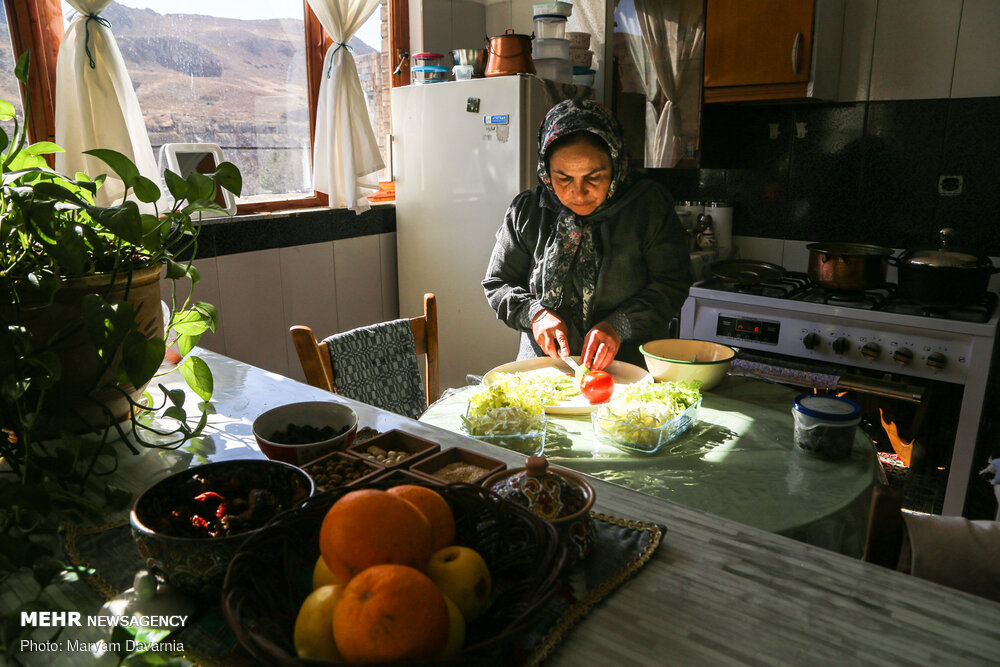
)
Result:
{"points": [[795, 256], [978, 50], [825, 173], [900, 165], [971, 150], [357, 264], [390, 277], [250, 291], [308, 295], [682, 183], [759, 249]]}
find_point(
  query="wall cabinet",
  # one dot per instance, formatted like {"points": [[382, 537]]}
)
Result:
{"points": [[772, 49]]}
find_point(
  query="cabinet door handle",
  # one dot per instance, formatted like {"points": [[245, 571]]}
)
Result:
{"points": [[795, 52]]}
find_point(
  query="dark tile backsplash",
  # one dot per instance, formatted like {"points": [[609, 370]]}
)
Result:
{"points": [[865, 172]]}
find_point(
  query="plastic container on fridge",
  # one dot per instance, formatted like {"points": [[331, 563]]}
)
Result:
{"points": [[578, 40], [462, 72], [581, 57], [553, 8], [583, 76], [428, 59], [429, 74], [550, 27], [554, 69], [551, 48]]}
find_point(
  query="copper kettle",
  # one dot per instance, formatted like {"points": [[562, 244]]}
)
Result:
{"points": [[509, 53]]}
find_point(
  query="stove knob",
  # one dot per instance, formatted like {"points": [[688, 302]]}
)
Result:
{"points": [[870, 351], [811, 341], [902, 356], [936, 360], [841, 345]]}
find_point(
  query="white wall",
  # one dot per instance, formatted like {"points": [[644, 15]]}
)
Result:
{"points": [[331, 287]]}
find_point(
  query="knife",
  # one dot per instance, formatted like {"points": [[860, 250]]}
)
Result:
{"points": [[578, 370]]}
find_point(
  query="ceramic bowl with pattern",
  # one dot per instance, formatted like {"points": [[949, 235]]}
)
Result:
{"points": [[560, 496], [188, 526]]}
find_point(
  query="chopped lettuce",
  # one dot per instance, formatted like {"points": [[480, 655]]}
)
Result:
{"points": [[521, 390], [503, 421], [650, 404]]}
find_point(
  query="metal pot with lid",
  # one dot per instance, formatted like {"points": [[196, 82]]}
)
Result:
{"points": [[509, 53], [848, 266], [943, 276]]}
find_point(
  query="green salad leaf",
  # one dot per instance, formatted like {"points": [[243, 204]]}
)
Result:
{"points": [[503, 421], [651, 404], [522, 390]]}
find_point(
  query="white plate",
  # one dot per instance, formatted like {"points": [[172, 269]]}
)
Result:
{"points": [[621, 372]]}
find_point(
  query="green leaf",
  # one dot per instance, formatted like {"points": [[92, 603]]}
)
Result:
{"points": [[175, 270], [229, 177], [106, 324], [175, 412], [141, 357], [186, 343], [190, 322], [43, 148], [200, 186], [21, 68], [176, 185], [119, 163], [124, 221], [4, 139], [176, 396], [198, 376], [146, 190], [6, 110]]}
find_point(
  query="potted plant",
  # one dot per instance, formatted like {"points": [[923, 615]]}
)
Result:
{"points": [[83, 331]]}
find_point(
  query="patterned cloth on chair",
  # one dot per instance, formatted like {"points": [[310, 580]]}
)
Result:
{"points": [[377, 365]]}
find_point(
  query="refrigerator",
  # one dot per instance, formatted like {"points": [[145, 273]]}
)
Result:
{"points": [[461, 151]]}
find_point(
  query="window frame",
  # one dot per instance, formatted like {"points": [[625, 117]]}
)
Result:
{"points": [[38, 26]]}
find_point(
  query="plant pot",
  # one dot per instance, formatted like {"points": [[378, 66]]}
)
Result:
{"points": [[82, 389]]}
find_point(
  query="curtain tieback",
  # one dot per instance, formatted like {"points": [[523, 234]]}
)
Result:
{"points": [[86, 35], [340, 45]]}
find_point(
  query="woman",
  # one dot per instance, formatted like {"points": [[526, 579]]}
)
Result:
{"points": [[593, 260]]}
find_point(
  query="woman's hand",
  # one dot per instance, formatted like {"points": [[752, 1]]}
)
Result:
{"points": [[550, 333], [600, 346]]}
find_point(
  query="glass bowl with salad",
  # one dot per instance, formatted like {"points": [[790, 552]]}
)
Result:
{"points": [[509, 414], [645, 417]]}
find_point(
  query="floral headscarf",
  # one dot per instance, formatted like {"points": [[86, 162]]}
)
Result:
{"points": [[572, 116], [568, 272]]}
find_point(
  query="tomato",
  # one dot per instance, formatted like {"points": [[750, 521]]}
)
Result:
{"points": [[597, 386]]}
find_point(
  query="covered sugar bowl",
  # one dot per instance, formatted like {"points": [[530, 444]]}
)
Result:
{"points": [[562, 497]]}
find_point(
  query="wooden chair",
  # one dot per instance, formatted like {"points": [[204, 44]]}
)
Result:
{"points": [[315, 356], [884, 537]]}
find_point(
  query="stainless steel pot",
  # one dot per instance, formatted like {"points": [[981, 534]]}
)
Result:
{"points": [[943, 276], [848, 266], [474, 57]]}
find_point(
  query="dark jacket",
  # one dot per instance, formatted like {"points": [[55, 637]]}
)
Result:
{"points": [[644, 273]]}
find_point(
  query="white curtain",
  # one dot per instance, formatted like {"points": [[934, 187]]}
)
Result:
{"points": [[662, 39], [96, 106], [345, 150]]}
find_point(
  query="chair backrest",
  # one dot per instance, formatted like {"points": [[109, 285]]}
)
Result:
{"points": [[315, 356], [884, 537]]}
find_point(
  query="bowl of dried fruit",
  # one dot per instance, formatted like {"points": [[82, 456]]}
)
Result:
{"points": [[298, 433], [188, 526]]}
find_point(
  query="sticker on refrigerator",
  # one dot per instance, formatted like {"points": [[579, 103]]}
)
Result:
{"points": [[502, 119]]}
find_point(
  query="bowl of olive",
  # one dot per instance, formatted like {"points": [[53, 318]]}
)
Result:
{"points": [[298, 433]]}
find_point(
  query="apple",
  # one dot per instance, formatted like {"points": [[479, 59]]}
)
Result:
{"points": [[322, 575], [464, 578], [456, 630]]}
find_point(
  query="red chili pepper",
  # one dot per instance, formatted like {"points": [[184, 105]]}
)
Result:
{"points": [[198, 522], [209, 494], [221, 512]]}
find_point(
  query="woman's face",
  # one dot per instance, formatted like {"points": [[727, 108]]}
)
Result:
{"points": [[581, 176]]}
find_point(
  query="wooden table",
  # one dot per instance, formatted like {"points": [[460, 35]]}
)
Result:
{"points": [[737, 461], [715, 592]]}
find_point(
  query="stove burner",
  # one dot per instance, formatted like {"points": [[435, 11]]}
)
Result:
{"points": [[979, 311], [872, 299]]}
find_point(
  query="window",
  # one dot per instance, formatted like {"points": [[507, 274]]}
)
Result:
{"points": [[243, 74], [8, 82]]}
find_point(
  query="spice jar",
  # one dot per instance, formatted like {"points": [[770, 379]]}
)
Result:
{"points": [[560, 496], [825, 425]]}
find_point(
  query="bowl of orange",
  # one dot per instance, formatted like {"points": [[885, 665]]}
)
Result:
{"points": [[269, 578]]}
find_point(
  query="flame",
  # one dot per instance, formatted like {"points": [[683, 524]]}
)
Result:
{"points": [[902, 448]]}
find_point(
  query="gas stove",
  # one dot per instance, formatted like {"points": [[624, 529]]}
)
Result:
{"points": [[871, 333]]}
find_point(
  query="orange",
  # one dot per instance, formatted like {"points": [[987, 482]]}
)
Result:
{"points": [[390, 613], [370, 527], [434, 507]]}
